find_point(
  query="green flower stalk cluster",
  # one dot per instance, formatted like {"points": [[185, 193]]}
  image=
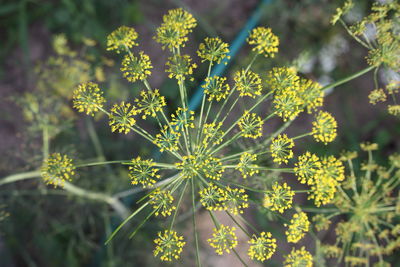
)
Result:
{"points": [[201, 161], [383, 46], [367, 202]]}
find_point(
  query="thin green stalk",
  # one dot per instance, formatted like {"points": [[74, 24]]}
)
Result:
{"points": [[19, 177], [196, 238], [178, 205], [125, 221], [238, 224], [348, 78]]}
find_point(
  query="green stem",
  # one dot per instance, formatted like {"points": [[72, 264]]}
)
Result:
{"points": [[348, 78], [19, 177], [124, 222], [196, 238]]}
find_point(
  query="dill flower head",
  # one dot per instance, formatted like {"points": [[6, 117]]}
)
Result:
{"points": [[189, 166], [394, 110], [264, 41], [150, 103], [169, 245], [324, 127], [299, 258], [143, 172], [88, 98], [177, 24], [162, 202], [263, 247], [180, 18], [216, 88], [180, 66], [212, 133], [251, 125], [235, 200], [298, 227], [213, 50], [280, 198], [121, 39], [167, 139], [393, 87], [323, 190], [121, 117], [212, 168], [287, 105], [246, 166], [280, 80], [368, 146], [307, 167], [377, 95], [311, 94], [136, 67], [340, 11], [182, 119], [224, 239], [248, 83], [321, 222], [281, 148], [212, 197], [57, 169], [333, 168], [171, 36]]}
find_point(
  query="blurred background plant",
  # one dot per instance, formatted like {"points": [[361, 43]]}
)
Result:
{"points": [[49, 227]]}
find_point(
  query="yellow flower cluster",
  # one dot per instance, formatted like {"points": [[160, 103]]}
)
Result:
{"points": [[182, 119], [212, 133], [394, 110], [280, 198], [281, 149], [298, 227], [143, 172], [312, 95], [248, 83], [263, 247], [213, 50], [307, 167], [180, 66], [189, 166], [251, 125], [88, 98], [216, 88], [177, 24], [377, 95], [121, 39], [326, 180], [169, 245], [150, 103], [299, 258], [340, 11], [167, 139], [224, 239], [235, 200], [57, 169], [212, 168], [230, 199], [293, 94], [324, 127], [265, 42], [136, 67], [162, 202], [121, 117], [212, 197], [246, 166]]}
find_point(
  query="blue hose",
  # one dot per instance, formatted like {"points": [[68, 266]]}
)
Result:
{"points": [[196, 98], [234, 49]]}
